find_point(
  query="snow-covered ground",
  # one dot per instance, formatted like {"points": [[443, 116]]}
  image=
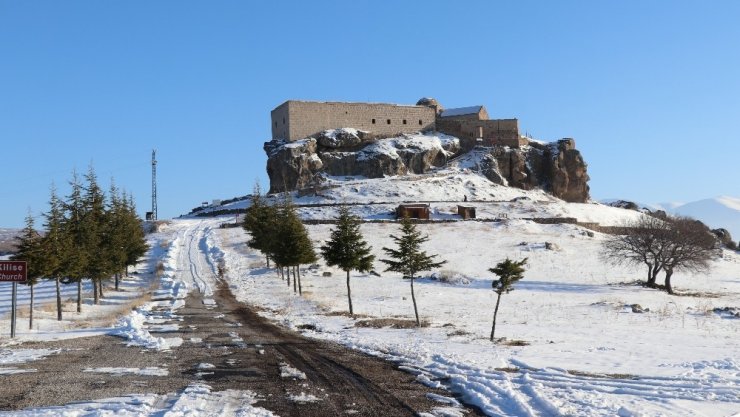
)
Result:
{"points": [[581, 340], [587, 353]]}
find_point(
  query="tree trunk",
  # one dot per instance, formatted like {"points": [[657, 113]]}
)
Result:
{"points": [[287, 275], [59, 300], [650, 283], [118, 278], [413, 299], [668, 274], [495, 312], [267, 258], [79, 295], [349, 296], [654, 275], [100, 288], [30, 311], [295, 283], [300, 289], [96, 296]]}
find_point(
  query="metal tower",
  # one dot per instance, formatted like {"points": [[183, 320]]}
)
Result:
{"points": [[154, 184]]}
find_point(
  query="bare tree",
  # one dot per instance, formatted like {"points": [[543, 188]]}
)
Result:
{"points": [[691, 248], [668, 245], [641, 241]]}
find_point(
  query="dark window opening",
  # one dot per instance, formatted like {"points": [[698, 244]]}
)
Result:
{"points": [[420, 122], [275, 124], [404, 121], [373, 121], [388, 121], [283, 120]]}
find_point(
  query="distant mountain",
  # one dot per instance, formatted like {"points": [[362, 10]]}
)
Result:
{"points": [[720, 212], [717, 212]]}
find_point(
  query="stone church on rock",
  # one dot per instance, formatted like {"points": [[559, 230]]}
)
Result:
{"points": [[295, 119]]}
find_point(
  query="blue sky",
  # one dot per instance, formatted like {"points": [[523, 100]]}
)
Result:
{"points": [[649, 90]]}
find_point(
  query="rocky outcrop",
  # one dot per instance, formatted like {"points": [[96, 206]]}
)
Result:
{"points": [[569, 179], [349, 152], [292, 165], [556, 167]]}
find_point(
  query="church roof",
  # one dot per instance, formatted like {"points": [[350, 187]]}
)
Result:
{"points": [[461, 111]]}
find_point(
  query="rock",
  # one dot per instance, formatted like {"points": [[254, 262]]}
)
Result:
{"points": [[551, 246], [555, 167], [342, 152], [569, 180], [636, 308], [292, 165], [629, 205], [343, 138], [724, 237]]}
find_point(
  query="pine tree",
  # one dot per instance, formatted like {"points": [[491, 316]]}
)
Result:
{"points": [[94, 232], [78, 256], [135, 246], [291, 244], [347, 249], [508, 272], [29, 250], [56, 246], [116, 233], [409, 259], [260, 221]]}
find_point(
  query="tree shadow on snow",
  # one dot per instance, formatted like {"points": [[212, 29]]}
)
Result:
{"points": [[544, 286]]}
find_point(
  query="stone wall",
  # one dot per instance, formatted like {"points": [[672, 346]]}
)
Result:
{"points": [[295, 120], [493, 132]]}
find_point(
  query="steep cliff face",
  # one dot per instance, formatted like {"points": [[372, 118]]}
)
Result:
{"points": [[569, 179], [556, 167], [348, 152]]}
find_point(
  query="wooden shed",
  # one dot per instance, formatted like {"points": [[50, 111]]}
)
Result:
{"points": [[466, 212], [413, 211]]}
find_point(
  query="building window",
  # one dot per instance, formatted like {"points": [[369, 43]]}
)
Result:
{"points": [[388, 121], [283, 120], [420, 123], [404, 121], [373, 121], [275, 124]]}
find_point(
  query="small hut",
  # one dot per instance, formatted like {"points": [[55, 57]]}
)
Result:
{"points": [[413, 211], [466, 212]]}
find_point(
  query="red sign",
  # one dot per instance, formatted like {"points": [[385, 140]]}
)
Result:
{"points": [[13, 271]]}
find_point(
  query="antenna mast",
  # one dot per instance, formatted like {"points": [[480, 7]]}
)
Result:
{"points": [[154, 184]]}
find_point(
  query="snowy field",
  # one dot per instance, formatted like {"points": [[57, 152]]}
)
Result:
{"points": [[581, 338], [586, 352]]}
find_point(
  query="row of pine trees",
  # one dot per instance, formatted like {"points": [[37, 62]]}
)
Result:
{"points": [[86, 235], [277, 231]]}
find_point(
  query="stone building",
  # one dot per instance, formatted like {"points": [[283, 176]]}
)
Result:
{"points": [[473, 127], [295, 120]]}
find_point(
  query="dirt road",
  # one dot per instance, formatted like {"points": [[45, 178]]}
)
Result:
{"points": [[227, 346]]}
